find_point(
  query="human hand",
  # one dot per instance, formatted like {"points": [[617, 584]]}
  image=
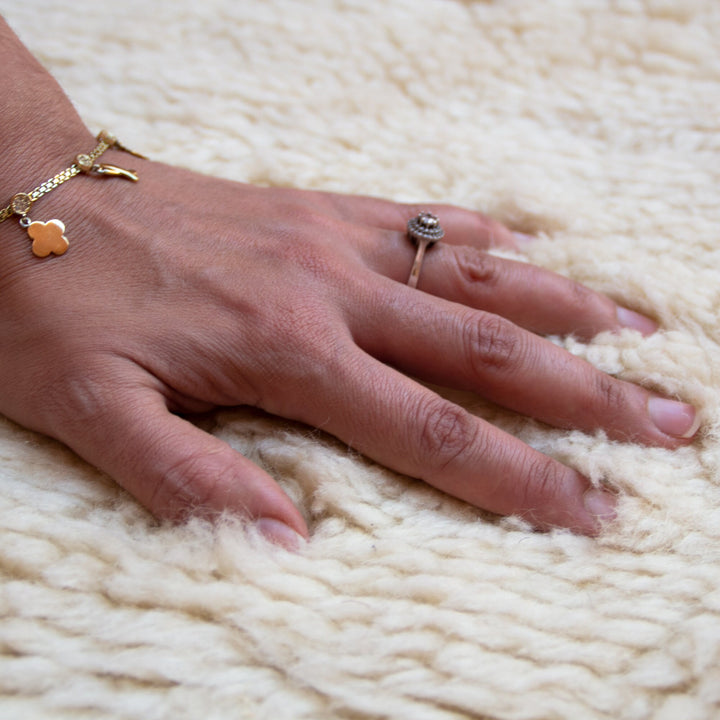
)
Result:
{"points": [[186, 293]]}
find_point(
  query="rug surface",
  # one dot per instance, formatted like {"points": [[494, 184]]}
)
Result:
{"points": [[593, 124]]}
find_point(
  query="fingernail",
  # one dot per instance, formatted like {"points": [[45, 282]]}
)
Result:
{"points": [[600, 504], [674, 418], [280, 534], [636, 321], [523, 240]]}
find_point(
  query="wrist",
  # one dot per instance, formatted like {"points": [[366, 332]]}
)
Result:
{"points": [[40, 132], [89, 171]]}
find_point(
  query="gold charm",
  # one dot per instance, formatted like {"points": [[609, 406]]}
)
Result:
{"points": [[48, 237], [115, 171], [84, 162], [21, 204]]}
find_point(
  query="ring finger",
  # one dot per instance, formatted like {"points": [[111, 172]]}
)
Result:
{"points": [[532, 297]]}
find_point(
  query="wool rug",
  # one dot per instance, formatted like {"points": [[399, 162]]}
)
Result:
{"points": [[592, 124]]}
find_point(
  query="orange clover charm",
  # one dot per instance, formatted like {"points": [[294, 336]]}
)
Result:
{"points": [[48, 237]]}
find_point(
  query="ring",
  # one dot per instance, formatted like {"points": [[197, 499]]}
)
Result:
{"points": [[424, 230]]}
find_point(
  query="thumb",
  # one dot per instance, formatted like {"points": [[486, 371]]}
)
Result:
{"points": [[175, 469]]}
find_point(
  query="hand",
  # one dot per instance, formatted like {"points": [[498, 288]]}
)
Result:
{"points": [[185, 293]]}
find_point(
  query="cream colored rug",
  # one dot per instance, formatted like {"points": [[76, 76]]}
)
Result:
{"points": [[592, 123]]}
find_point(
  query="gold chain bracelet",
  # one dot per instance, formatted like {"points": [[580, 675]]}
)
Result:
{"points": [[49, 237]]}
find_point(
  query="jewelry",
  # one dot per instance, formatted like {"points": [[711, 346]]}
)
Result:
{"points": [[424, 230], [49, 237]]}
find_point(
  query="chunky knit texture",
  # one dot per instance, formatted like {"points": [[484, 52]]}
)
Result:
{"points": [[592, 124]]}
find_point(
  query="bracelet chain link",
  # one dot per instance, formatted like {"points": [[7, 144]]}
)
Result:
{"points": [[84, 162], [48, 238]]}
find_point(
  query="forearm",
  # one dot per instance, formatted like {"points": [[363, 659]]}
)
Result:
{"points": [[38, 124]]}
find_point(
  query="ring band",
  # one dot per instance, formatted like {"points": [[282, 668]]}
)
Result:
{"points": [[424, 230]]}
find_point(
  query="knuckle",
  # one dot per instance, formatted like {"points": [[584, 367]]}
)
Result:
{"points": [[610, 393], [313, 367], [307, 240], [189, 483], [77, 397], [491, 342], [446, 433], [580, 298], [600, 310], [543, 483], [314, 222], [475, 267], [310, 338], [541, 490]]}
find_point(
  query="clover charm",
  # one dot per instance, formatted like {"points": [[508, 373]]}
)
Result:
{"points": [[48, 237]]}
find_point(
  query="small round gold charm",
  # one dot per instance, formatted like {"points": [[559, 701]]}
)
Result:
{"points": [[84, 162], [21, 204]]}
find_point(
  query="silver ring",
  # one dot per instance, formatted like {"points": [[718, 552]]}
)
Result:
{"points": [[424, 230]]}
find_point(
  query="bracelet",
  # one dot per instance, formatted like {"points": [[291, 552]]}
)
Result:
{"points": [[49, 237]]}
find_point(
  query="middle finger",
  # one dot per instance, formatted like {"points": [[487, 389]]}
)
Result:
{"points": [[452, 345]]}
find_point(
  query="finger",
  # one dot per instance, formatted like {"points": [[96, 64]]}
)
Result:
{"points": [[172, 467], [462, 226], [451, 345], [529, 296], [532, 297], [409, 428]]}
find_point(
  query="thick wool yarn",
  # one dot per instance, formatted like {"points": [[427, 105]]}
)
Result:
{"points": [[591, 124]]}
